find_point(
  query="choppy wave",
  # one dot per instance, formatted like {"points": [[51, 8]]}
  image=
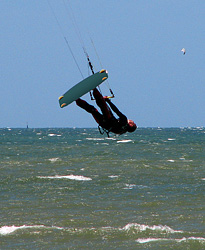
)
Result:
{"points": [[147, 233], [191, 238], [5, 230], [131, 226], [54, 159], [113, 176], [95, 139], [142, 227], [171, 160], [70, 177], [146, 240], [129, 186], [53, 135], [94, 192], [124, 141]]}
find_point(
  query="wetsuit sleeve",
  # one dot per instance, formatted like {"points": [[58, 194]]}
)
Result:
{"points": [[116, 110]]}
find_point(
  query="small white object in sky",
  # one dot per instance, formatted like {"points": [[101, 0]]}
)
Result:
{"points": [[184, 51]]}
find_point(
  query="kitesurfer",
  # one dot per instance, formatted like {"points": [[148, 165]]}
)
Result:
{"points": [[107, 120]]}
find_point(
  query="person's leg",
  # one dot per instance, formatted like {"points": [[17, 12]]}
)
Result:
{"points": [[102, 104], [90, 109], [84, 105]]}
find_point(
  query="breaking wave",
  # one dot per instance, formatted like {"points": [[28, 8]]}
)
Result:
{"points": [[146, 240], [70, 177], [139, 227], [5, 230]]}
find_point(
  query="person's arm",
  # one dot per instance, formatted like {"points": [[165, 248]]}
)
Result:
{"points": [[115, 109]]}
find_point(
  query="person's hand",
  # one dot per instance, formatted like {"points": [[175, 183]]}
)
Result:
{"points": [[107, 99]]}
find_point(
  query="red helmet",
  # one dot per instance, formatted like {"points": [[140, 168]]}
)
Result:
{"points": [[132, 126]]}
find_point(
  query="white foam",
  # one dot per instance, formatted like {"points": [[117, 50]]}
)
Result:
{"points": [[190, 238], [129, 186], [113, 176], [142, 227], [146, 240], [171, 160], [54, 159], [70, 177], [171, 139], [183, 159], [10, 229], [53, 135], [95, 139], [124, 141]]}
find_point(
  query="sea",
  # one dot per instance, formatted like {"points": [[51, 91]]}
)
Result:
{"points": [[73, 188]]}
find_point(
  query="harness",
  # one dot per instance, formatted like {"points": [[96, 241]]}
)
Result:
{"points": [[107, 131], [103, 130]]}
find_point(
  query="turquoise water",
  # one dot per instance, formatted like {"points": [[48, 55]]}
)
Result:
{"points": [[77, 189]]}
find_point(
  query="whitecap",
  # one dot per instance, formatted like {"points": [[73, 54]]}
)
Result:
{"points": [[70, 177], [142, 227], [146, 240], [183, 159], [171, 139], [171, 160], [129, 186], [10, 229], [113, 176], [111, 138], [54, 159], [124, 141], [190, 238], [95, 139], [53, 135]]}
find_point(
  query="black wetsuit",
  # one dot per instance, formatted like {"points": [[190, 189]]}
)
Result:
{"points": [[106, 120]]}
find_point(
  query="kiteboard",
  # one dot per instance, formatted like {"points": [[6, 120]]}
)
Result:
{"points": [[83, 87]]}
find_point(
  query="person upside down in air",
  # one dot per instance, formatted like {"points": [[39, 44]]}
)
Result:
{"points": [[107, 120]]}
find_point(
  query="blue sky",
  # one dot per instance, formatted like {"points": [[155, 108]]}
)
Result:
{"points": [[139, 43]]}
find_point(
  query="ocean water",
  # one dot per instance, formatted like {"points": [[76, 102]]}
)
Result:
{"points": [[77, 189]]}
